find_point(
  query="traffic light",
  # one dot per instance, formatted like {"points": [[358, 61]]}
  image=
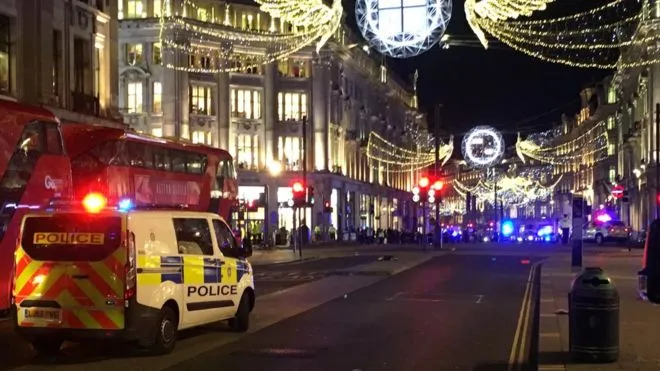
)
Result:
{"points": [[436, 190], [310, 195], [298, 190], [326, 207], [252, 205]]}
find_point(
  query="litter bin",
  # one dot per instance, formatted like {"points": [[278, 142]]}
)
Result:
{"points": [[593, 318]]}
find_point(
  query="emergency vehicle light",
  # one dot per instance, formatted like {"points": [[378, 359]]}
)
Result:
{"points": [[94, 202], [125, 205]]}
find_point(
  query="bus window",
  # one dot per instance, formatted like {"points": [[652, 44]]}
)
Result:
{"points": [[119, 154], [148, 156], [136, 154], [178, 161], [162, 159], [195, 163], [32, 140], [105, 152], [53, 139]]}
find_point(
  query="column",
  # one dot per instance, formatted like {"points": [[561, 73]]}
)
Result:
{"points": [[269, 110], [183, 100], [33, 82], [319, 121], [169, 95], [223, 110]]}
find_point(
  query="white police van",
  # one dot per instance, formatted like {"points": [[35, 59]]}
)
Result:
{"points": [[127, 274]]}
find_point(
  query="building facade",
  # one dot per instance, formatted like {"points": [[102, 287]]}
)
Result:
{"points": [[258, 110], [66, 62]]}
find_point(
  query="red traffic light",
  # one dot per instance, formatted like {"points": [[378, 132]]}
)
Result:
{"points": [[438, 185], [326, 204], [424, 182], [298, 187]]}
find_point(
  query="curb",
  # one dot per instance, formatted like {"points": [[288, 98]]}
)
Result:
{"points": [[303, 260], [551, 355]]}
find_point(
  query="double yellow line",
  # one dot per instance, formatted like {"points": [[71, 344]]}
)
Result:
{"points": [[519, 347]]}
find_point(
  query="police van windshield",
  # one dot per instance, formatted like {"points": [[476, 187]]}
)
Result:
{"points": [[71, 237]]}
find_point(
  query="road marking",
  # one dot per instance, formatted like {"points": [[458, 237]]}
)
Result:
{"points": [[551, 367], [548, 315], [547, 300], [517, 349], [395, 296], [526, 320]]}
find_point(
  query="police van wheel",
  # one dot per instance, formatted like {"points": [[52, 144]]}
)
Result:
{"points": [[166, 332], [46, 346], [241, 322]]}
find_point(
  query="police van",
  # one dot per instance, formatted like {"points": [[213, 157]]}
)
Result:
{"points": [[122, 273]]}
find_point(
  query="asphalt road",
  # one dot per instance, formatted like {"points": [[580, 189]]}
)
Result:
{"points": [[451, 313], [277, 277]]}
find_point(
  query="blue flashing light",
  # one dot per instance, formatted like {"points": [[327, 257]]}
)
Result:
{"points": [[547, 238], [454, 233], [507, 228], [545, 230], [125, 205]]}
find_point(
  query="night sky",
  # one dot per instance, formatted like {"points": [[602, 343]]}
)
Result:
{"points": [[502, 88]]}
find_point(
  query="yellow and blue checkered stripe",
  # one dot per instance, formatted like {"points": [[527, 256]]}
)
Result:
{"points": [[192, 270]]}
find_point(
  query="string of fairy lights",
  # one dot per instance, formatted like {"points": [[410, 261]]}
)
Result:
{"points": [[398, 159], [211, 44], [592, 39], [512, 191], [589, 147]]}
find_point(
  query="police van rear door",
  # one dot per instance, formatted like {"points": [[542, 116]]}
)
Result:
{"points": [[70, 270]]}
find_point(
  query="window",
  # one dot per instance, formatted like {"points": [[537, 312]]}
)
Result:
{"points": [[53, 139], [247, 149], [179, 161], [225, 238], [158, 8], [120, 10], [157, 132], [158, 98], [134, 9], [289, 152], [202, 14], [156, 53], [5, 55], [612, 174], [201, 100], [162, 159], [246, 103], [195, 163], [133, 54], [193, 236], [611, 95], [134, 101], [226, 170], [202, 137], [611, 149], [610, 123], [291, 106]]}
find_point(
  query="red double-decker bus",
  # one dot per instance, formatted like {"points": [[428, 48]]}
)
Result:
{"points": [[34, 169], [150, 171]]}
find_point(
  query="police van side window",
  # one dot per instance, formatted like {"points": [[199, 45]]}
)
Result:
{"points": [[226, 240], [193, 236]]}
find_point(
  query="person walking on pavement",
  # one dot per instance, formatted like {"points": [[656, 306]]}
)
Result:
{"points": [[565, 225]]}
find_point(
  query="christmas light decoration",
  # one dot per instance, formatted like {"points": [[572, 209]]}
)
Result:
{"points": [[512, 191], [589, 39], [214, 45], [402, 28], [483, 146], [398, 159], [499, 10], [588, 147]]}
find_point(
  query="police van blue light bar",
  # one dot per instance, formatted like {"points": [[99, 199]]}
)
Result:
{"points": [[125, 204]]}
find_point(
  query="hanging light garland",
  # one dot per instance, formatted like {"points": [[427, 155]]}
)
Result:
{"points": [[219, 47], [499, 10], [589, 147], [398, 159], [591, 39], [512, 191]]}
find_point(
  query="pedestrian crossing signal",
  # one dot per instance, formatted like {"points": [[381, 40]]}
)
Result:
{"points": [[326, 207]]}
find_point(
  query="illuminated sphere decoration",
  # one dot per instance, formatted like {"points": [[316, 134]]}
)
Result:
{"points": [[483, 146], [402, 28]]}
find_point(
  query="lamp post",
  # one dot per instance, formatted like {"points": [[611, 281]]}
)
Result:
{"points": [[274, 168]]}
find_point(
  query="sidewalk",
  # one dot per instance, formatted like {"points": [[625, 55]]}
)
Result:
{"points": [[277, 256], [639, 322]]}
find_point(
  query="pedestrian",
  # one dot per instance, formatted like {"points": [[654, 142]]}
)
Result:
{"points": [[565, 225]]}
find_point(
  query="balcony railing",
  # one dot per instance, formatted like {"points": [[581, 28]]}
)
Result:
{"points": [[85, 103]]}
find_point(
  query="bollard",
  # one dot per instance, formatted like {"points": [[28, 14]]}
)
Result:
{"points": [[593, 318]]}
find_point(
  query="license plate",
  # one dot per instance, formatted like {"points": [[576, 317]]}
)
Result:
{"points": [[43, 314]]}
